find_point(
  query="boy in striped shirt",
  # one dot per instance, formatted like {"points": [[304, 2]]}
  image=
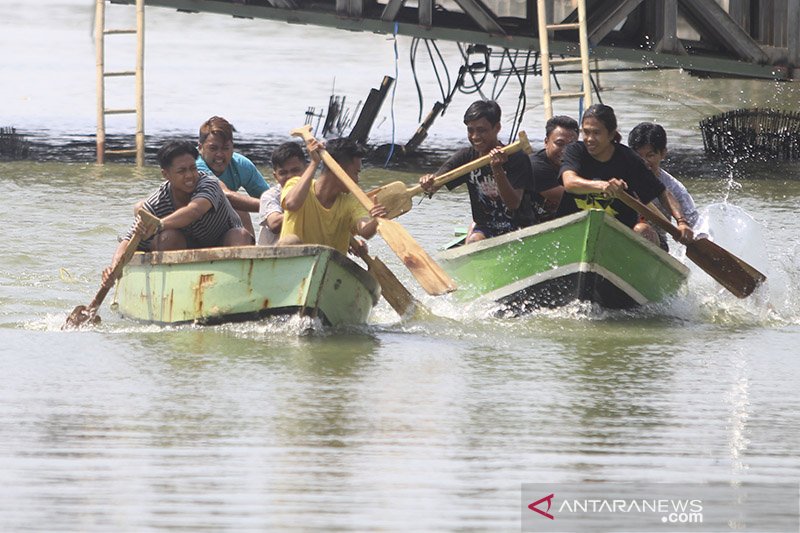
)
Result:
{"points": [[193, 209]]}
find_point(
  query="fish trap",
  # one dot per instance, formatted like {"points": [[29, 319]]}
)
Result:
{"points": [[753, 133], [13, 145]]}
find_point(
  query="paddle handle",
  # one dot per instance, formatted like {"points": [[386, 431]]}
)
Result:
{"points": [[392, 290], [336, 168], [731, 272], [522, 144], [650, 214], [151, 223]]}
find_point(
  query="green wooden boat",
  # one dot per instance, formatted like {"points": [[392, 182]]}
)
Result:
{"points": [[586, 256], [214, 285]]}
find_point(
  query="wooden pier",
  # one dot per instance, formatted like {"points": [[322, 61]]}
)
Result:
{"points": [[744, 38], [725, 38]]}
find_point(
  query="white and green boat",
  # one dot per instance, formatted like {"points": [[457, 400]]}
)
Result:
{"points": [[587, 256], [214, 285]]}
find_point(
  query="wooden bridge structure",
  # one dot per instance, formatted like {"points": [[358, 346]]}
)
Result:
{"points": [[747, 38], [727, 38]]}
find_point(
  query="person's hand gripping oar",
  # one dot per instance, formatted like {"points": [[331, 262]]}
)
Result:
{"points": [[427, 272], [396, 196]]}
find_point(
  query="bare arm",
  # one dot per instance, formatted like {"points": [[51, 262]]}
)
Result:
{"points": [[139, 228], [368, 226], [578, 185], [297, 195], [674, 206], [187, 214], [240, 202], [275, 221], [511, 197], [552, 198]]}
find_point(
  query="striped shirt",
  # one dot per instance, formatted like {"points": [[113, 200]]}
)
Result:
{"points": [[206, 231]]}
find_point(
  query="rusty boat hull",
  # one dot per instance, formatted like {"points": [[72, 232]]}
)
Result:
{"points": [[215, 285]]}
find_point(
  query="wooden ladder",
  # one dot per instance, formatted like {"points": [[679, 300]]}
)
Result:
{"points": [[548, 63], [100, 32]]}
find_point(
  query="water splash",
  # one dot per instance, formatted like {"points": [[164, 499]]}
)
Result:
{"points": [[738, 232]]}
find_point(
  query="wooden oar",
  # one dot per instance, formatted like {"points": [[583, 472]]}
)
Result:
{"points": [[731, 272], [88, 313], [392, 290], [428, 273], [396, 197]]}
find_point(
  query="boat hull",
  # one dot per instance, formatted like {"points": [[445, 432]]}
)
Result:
{"points": [[586, 256], [214, 285]]}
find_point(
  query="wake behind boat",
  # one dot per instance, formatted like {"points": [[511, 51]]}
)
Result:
{"points": [[214, 285], [588, 256]]}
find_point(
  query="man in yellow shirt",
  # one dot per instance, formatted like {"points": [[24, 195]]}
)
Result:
{"points": [[321, 211]]}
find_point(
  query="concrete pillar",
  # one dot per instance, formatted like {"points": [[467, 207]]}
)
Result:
{"points": [[665, 22], [793, 23]]}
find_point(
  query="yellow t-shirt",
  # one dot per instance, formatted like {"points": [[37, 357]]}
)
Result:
{"points": [[314, 224]]}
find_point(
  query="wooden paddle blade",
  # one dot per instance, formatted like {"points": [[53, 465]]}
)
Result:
{"points": [[738, 277], [525, 143], [731, 272], [394, 197], [83, 314], [392, 290], [427, 272], [79, 316]]}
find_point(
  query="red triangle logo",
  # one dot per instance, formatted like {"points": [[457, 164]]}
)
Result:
{"points": [[549, 500]]}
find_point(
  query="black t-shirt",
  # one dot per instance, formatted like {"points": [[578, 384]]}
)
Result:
{"points": [[545, 177], [624, 164], [488, 209]]}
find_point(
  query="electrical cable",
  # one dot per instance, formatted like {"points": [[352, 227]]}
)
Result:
{"points": [[413, 60]]}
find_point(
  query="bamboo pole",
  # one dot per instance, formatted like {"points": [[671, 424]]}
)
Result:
{"points": [[544, 53], [584, 40], [99, 39], [139, 83]]}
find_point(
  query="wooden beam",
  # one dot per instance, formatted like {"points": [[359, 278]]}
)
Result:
{"points": [[604, 21], [478, 12], [713, 20]]}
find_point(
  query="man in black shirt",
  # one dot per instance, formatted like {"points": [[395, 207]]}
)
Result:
{"points": [[601, 168], [499, 192], [549, 200]]}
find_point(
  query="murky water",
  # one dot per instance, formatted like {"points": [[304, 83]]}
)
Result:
{"points": [[424, 425]]}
